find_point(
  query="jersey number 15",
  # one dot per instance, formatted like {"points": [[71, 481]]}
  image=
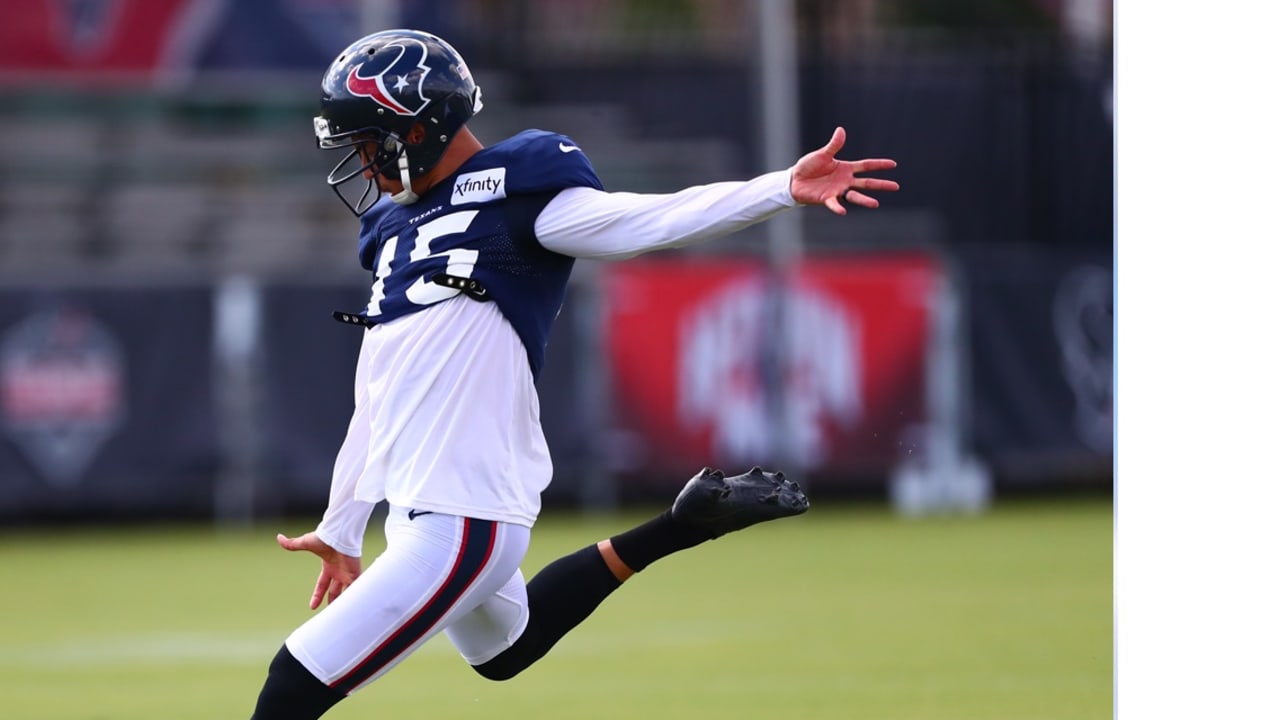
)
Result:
{"points": [[459, 262]]}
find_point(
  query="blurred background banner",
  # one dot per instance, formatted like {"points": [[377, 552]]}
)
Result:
{"points": [[106, 403], [169, 41], [1043, 370], [693, 351], [95, 40], [161, 184]]}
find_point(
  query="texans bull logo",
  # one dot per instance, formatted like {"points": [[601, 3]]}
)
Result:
{"points": [[407, 69]]}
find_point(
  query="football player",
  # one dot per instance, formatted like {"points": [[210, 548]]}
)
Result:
{"points": [[470, 249]]}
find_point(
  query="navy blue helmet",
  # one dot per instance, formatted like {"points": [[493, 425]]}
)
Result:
{"points": [[376, 90]]}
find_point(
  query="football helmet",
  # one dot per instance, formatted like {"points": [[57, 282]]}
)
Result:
{"points": [[375, 91]]}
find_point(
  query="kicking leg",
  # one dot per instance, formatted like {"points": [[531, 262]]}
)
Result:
{"points": [[565, 592]]}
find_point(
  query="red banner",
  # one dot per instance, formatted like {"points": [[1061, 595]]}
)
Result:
{"points": [[117, 39], [695, 346]]}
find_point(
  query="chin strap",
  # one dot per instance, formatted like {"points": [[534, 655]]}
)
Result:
{"points": [[406, 196]]}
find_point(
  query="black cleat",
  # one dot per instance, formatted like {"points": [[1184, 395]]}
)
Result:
{"points": [[722, 504]]}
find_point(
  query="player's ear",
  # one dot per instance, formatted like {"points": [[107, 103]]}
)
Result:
{"points": [[416, 134]]}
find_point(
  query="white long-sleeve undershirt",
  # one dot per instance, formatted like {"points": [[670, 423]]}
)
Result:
{"points": [[587, 223]]}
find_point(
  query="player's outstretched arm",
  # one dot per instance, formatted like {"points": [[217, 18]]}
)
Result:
{"points": [[337, 571], [819, 178]]}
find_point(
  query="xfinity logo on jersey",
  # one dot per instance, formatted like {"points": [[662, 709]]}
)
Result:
{"points": [[478, 187]]}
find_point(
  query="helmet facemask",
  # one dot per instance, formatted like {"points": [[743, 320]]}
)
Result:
{"points": [[390, 160]]}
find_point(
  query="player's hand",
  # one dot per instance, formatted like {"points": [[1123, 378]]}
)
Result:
{"points": [[820, 178], [337, 571]]}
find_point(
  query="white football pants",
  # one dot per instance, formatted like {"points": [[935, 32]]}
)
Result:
{"points": [[439, 572]]}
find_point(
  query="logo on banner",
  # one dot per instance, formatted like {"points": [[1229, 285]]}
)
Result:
{"points": [[89, 23], [1083, 320], [727, 345], [62, 390]]}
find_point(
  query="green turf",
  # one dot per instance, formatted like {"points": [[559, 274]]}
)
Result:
{"points": [[843, 613]]}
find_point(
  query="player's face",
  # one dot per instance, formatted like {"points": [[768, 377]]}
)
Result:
{"points": [[368, 149]]}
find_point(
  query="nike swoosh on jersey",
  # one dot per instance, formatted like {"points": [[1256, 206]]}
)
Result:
{"points": [[569, 148]]}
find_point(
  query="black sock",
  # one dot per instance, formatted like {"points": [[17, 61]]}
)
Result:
{"points": [[642, 545], [561, 595], [291, 692], [565, 592]]}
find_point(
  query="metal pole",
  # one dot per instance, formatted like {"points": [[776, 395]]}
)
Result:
{"points": [[237, 347], [598, 488], [944, 477], [779, 110], [779, 99]]}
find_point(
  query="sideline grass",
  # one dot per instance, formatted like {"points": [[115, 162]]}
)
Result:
{"points": [[842, 613]]}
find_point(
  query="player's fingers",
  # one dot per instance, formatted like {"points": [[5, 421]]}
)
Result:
{"points": [[833, 204], [875, 184], [871, 164], [324, 584], [309, 543], [858, 198], [317, 595], [836, 142]]}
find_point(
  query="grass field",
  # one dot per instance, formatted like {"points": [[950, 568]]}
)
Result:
{"points": [[843, 613]]}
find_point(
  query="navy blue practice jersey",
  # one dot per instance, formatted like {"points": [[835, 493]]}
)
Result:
{"points": [[478, 224]]}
